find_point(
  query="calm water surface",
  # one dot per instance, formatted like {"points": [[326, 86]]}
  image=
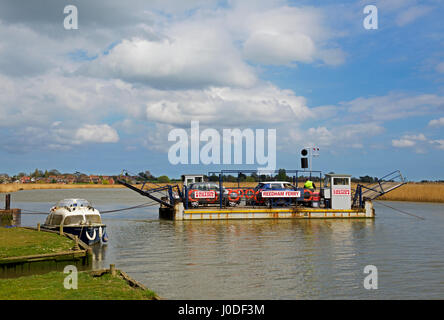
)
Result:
{"points": [[265, 259]]}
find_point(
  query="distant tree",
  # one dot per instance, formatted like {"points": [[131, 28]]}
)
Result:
{"points": [[37, 173], [146, 175], [163, 179], [282, 175], [213, 178], [55, 172], [366, 179]]}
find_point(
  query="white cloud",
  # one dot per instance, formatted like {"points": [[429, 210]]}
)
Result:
{"points": [[394, 106], [193, 56], [419, 142], [419, 137], [228, 106], [403, 143], [411, 14], [437, 122], [284, 35], [342, 136], [96, 133], [438, 143]]}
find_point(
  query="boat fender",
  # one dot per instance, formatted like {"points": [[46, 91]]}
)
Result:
{"points": [[105, 237], [100, 232], [90, 238]]}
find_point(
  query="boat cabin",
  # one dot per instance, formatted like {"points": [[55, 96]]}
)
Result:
{"points": [[73, 212]]}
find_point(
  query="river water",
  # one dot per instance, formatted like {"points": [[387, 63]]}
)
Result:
{"points": [[265, 259]]}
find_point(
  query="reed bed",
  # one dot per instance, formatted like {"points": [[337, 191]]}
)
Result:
{"points": [[417, 192]]}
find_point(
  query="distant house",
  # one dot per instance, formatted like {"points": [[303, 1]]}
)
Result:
{"points": [[94, 179], [25, 179]]}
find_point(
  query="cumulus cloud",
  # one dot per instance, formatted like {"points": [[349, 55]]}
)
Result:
{"points": [[411, 14], [284, 35], [403, 143], [420, 142], [394, 106], [340, 136], [437, 122], [229, 106], [438, 143], [96, 133], [195, 56]]}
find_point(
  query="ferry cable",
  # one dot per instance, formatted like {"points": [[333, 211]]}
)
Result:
{"points": [[401, 211], [148, 204]]}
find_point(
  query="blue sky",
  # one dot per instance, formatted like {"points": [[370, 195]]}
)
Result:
{"points": [[104, 97]]}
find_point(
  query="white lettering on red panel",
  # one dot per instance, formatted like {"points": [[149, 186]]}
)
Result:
{"points": [[341, 192], [204, 194], [281, 194]]}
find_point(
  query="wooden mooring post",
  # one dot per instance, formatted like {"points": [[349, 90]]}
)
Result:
{"points": [[9, 216], [8, 202], [112, 270]]}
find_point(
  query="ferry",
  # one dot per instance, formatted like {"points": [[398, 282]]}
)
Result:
{"points": [[79, 218], [200, 200]]}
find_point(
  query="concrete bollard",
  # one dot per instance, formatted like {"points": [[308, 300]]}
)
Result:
{"points": [[112, 270]]}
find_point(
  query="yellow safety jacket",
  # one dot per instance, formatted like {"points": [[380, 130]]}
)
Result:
{"points": [[308, 184]]}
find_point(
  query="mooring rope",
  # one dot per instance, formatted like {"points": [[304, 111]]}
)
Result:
{"points": [[405, 212], [148, 204]]}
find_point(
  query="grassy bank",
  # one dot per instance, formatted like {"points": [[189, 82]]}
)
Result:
{"points": [[16, 242], [50, 286]]}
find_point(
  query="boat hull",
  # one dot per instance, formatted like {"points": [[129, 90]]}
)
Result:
{"points": [[88, 234]]}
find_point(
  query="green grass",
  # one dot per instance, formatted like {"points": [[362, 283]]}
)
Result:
{"points": [[16, 242], [50, 286]]}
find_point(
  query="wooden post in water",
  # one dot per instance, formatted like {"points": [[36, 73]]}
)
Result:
{"points": [[61, 230], [8, 202], [112, 270], [38, 226]]}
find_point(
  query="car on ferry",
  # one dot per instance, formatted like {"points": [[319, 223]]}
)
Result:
{"points": [[207, 193], [276, 193]]}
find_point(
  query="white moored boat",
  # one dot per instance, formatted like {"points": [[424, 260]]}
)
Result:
{"points": [[79, 218]]}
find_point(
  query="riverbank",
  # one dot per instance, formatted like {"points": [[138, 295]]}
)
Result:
{"points": [[415, 192], [25, 252], [50, 286], [17, 242], [14, 187]]}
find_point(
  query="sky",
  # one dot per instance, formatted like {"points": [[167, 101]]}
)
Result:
{"points": [[105, 96]]}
